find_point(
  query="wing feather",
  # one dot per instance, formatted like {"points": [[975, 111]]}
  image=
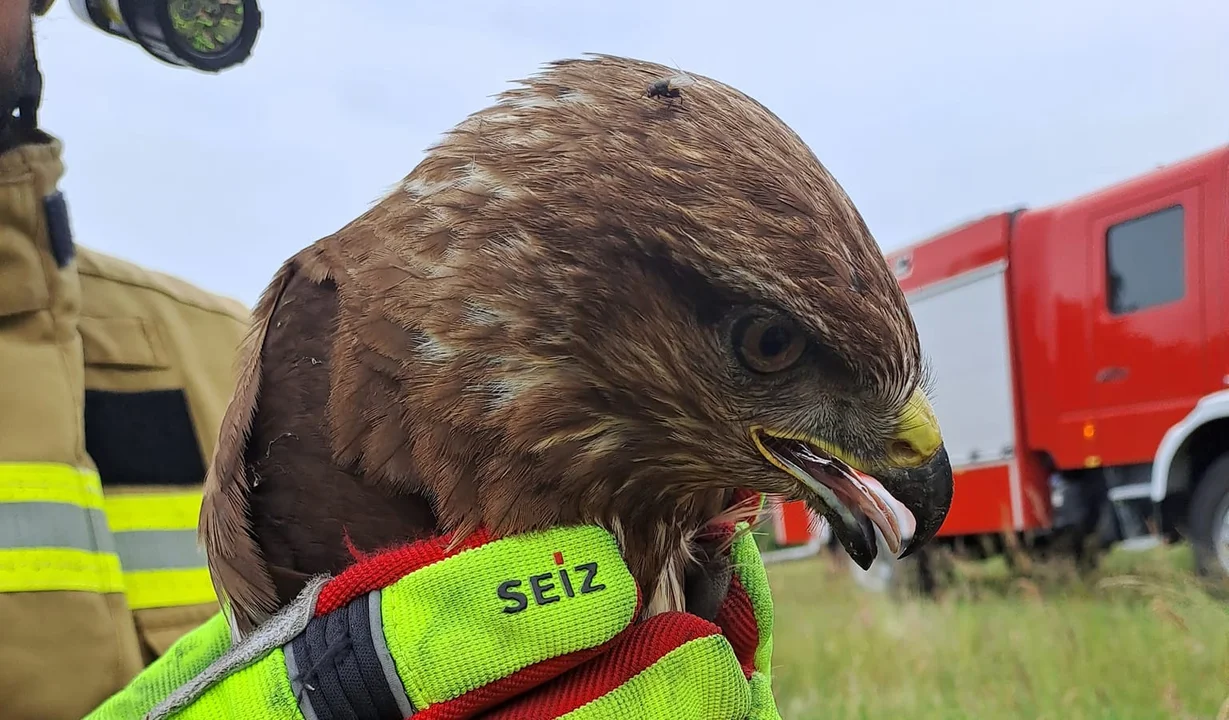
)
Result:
{"points": [[240, 574]]}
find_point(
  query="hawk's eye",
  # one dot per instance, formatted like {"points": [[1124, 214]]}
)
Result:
{"points": [[768, 344]]}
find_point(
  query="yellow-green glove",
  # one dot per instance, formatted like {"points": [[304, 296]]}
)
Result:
{"points": [[431, 633], [679, 665]]}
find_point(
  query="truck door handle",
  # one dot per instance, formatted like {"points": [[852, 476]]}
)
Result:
{"points": [[1111, 374]]}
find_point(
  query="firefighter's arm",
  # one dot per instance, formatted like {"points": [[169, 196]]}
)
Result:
{"points": [[545, 618]]}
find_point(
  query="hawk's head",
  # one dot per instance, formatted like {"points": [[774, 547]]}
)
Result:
{"points": [[585, 304], [643, 300]]}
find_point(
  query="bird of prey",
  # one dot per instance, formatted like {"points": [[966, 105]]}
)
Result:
{"points": [[603, 299]]}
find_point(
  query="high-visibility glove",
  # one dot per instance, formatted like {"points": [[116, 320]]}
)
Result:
{"points": [[676, 665], [433, 633]]}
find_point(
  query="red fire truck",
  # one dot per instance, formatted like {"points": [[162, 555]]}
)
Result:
{"points": [[1081, 356]]}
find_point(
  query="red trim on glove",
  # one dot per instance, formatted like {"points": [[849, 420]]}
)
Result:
{"points": [[480, 699], [385, 568], [737, 621], [631, 653]]}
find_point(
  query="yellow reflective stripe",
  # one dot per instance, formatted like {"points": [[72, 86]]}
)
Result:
{"points": [[156, 536], [62, 569], [48, 561], [65, 554], [49, 482], [153, 511], [168, 588]]}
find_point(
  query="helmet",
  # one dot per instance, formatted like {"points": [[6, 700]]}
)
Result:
{"points": [[208, 35]]}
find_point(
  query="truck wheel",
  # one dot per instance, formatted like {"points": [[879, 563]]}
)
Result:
{"points": [[1209, 520]]}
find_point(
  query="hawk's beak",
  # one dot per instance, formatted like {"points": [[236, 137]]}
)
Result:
{"points": [[855, 495], [918, 472]]}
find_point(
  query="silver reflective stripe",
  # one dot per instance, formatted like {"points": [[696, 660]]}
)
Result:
{"points": [[54, 525], [296, 684], [158, 550], [376, 617]]}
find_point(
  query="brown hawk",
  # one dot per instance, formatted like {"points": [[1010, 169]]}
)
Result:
{"points": [[591, 302]]}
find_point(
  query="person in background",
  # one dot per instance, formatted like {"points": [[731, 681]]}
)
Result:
{"points": [[113, 384]]}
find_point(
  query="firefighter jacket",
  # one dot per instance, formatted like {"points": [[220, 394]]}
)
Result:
{"points": [[113, 384]]}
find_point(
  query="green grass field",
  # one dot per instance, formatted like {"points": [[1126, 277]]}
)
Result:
{"points": [[1139, 640]]}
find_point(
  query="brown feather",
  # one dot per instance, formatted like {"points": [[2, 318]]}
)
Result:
{"points": [[531, 330], [235, 562]]}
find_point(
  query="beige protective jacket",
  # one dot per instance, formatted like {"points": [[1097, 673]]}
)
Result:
{"points": [[113, 382]]}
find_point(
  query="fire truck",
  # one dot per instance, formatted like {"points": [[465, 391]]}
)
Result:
{"points": [[1081, 359]]}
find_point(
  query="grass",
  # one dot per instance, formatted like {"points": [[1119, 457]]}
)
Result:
{"points": [[1141, 640]]}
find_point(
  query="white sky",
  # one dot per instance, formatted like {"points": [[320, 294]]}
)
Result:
{"points": [[929, 113]]}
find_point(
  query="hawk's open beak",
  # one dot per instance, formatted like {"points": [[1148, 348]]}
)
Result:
{"points": [[856, 497]]}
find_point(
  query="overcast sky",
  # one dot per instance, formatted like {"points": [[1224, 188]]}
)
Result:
{"points": [[929, 113]]}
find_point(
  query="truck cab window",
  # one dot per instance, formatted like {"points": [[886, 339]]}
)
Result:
{"points": [[1145, 261]]}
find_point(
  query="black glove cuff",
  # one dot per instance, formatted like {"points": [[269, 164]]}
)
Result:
{"points": [[340, 667]]}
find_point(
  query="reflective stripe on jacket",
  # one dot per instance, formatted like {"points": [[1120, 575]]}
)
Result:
{"points": [[53, 533], [155, 538], [59, 532]]}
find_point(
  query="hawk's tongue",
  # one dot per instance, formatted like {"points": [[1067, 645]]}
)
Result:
{"points": [[861, 492], [906, 523]]}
